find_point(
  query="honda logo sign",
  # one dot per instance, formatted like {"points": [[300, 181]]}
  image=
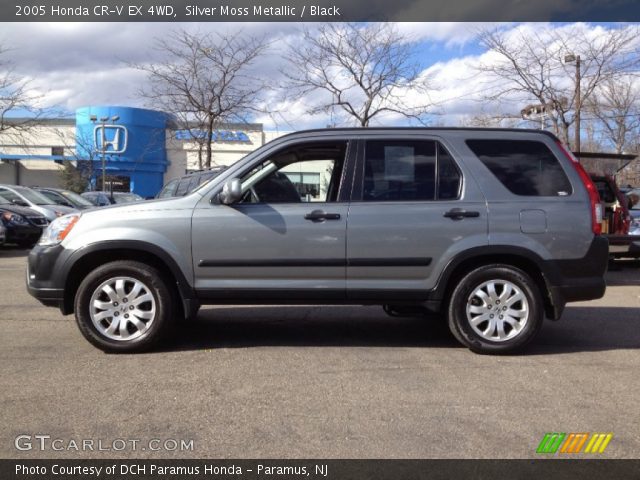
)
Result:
{"points": [[110, 138]]}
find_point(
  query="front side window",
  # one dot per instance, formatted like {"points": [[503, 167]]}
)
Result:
{"points": [[409, 170], [524, 167], [308, 173]]}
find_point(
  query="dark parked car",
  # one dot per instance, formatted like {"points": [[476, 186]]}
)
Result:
{"points": [[23, 225], [65, 197], [179, 187], [100, 199], [27, 197]]}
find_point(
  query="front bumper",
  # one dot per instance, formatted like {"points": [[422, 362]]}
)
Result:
{"points": [[23, 233], [42, 282]]}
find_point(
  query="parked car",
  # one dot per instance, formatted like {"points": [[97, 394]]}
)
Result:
{"points": [[22, 225], [100, 199], [634, 229], [26, 197], [633, 198], [66, 198], [3, 233], [179, 187], [493, 228], [616, 218]]}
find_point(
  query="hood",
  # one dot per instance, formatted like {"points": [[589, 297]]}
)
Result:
{"points": [[24, 211], [173, 203]]}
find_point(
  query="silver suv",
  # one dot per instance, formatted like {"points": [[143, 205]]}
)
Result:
{"points": [[493, 229]]}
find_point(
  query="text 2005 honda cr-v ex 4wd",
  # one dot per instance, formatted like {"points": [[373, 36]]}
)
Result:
{"points": [[494, 229]]}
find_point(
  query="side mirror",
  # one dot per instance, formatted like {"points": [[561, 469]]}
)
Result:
{"points": [[20, 203], [231, 192]]}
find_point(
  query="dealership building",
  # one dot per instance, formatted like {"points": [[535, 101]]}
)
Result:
{"points": [[141, 149]]}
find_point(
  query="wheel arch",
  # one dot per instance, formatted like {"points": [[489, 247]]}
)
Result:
{"points": [[521, 258], [92, 256]]}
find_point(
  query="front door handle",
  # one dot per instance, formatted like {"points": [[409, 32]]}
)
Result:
{"points": [[320, 215], [460, 213]]}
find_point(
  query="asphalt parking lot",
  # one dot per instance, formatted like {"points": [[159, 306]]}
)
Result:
{"points": [[320, 382]]}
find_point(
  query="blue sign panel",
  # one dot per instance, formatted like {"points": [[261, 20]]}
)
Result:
{"points": [[216, 135], [131, 140]]}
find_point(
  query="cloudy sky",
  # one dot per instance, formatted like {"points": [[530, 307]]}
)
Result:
{"points": [[79, 64]]}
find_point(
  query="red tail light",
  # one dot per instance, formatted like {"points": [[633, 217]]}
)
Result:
{"points": [[594, 196]]}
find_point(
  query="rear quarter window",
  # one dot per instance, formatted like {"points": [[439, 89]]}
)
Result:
{"points": [[524, 167]]}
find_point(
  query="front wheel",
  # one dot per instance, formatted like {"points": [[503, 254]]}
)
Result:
{"points": [[124, 306], [495, 309]]}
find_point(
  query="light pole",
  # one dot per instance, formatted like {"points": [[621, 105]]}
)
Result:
{"points": [[103, 143], [570, 58]]}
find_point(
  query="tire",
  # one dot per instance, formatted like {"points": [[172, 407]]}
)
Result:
{"points": [[481, 317], [104, 297]]}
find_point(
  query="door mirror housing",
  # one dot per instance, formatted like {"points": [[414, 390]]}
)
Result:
{"points": [[231, 192]]}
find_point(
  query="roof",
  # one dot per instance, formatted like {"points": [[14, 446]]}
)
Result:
{"points": [[425, 129]]}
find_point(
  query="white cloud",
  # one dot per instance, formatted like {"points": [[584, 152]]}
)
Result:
{"points": [[80, 64]]}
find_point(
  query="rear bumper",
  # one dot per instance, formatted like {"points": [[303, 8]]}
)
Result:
{"points": [[624, 245], [579, 279]]}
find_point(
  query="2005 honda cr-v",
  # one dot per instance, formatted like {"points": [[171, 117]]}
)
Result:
{"points": [[495, 229]]}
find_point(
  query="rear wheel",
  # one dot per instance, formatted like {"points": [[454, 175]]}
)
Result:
{"points": [[124, 306], [495, 309]]}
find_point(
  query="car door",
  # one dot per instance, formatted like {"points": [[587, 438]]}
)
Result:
{"points": [[414, 207], [285, 239]]}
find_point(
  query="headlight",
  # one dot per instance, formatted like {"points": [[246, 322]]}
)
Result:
{"points": [[58, 229], [14, 218]]}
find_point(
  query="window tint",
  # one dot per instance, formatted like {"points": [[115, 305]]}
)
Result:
{"points": [[399, 170], [406, 170], [525, 167]]}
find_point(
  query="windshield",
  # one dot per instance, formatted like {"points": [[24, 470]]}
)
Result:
{"points": [[126, 197], [33, 196], [76, 199], [4, 201]]}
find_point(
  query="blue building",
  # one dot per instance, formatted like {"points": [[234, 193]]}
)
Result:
{"points": [[132, 142], [142, 149]]}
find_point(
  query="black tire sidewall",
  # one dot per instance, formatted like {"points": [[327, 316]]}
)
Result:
{"points": [[460, 326], [158, 289]]}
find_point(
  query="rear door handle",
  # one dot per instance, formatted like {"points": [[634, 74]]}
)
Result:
{"points": [[460, 213], [319, 215]]}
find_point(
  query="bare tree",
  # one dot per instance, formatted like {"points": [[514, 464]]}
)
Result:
{"points": [[616, 106], [484, 120], [359, 70], [528, 62], [15, 97], [204, 81]]}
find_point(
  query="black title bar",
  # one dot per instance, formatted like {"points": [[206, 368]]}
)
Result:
{"points": [[317, 10], [319, 469]]}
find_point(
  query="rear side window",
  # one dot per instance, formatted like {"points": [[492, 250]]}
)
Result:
{"points": [[406, 170], [524, 167]]}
